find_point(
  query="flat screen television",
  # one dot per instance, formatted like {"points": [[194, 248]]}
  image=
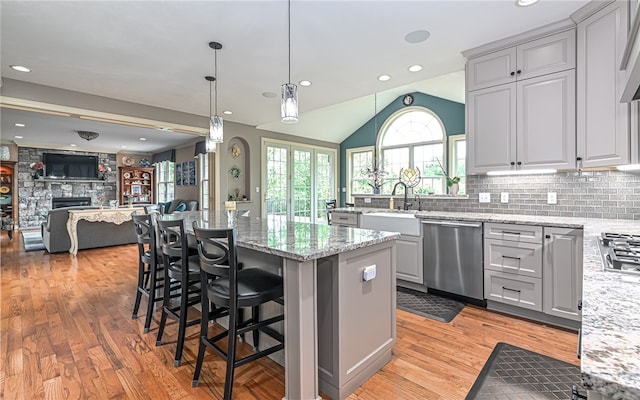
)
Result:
{"points": [[70, 166]]}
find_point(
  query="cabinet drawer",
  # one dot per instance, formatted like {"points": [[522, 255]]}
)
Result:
{"points": [[517, 290], [344, 219], [513, 257], [514, 233]]}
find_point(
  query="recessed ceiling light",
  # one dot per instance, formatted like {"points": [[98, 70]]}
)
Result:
{"points": [[143, 139], [20, 68], [525, 3], [19, 125], [383, 78], [305, 83], [415, 68], [417, 36], [73, 145], [18, 137], [227, 112], [269, 95]]}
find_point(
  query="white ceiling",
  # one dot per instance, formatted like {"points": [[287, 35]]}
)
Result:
{"points": [[156, 53]]}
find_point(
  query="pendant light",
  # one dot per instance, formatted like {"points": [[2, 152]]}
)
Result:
{"points": [[289, 105], [215, 121]]}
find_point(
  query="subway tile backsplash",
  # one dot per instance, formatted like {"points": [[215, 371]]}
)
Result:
{"points": [[594, 194]]}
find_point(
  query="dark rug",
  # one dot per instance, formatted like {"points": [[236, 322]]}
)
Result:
{"points": [[517, 374], [32, 240], [428, 305]]}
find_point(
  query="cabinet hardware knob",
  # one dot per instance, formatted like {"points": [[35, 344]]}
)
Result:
{"points": [[519, 71], [578, 158], [519, 162], [547, 236], [512, 73], [512, 163]]}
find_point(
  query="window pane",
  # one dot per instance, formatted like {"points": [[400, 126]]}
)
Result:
{"points": [[426, 158], [393, 160], [413, 127], [359, 182], [324, 184]]}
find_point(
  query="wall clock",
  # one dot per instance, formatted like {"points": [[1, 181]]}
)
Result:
{"points": [[407, 100]]}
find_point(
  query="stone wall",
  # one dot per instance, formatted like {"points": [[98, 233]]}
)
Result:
{"points": [[593, 194], [34, 195]]}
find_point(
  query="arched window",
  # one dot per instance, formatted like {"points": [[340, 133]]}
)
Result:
{"points": [[413, 137]]}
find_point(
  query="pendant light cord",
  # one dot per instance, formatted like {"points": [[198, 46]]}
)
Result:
{"points": [[375, 130], [215, 83], [289, 34]]}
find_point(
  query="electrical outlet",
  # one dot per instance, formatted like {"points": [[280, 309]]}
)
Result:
{"points": [[552, 198], [367, 200], [344, 190], [257, 189], [484, 197], [504, 197]]}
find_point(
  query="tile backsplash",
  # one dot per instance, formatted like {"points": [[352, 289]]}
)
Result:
{"points": [[593, 194]]}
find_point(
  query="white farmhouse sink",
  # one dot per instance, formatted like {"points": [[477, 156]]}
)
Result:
{"points": [[406, 224]]}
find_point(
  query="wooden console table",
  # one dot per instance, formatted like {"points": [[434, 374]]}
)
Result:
{"points": [[115, 216]]}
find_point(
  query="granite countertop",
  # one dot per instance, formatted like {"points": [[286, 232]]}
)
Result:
{"points": [[610, 361], [299, 241]]}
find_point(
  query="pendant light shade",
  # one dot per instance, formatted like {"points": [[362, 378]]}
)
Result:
{"points": [[215, 121], [289, 105]]}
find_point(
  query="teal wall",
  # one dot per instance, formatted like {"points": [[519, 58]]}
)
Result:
{"points": [[450, 112]]}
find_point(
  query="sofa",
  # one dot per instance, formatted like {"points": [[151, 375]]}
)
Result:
{"points": [[177, 205], [90, 234]]}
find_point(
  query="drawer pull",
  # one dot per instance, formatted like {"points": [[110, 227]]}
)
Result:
{"points": [[513, 290], [513, 258], [510, 233], [343, 218]]}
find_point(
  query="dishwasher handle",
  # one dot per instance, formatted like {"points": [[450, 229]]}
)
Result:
{"points": [[454, 224]]}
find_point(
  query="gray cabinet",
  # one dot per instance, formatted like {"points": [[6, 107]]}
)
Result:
{"points": [[344, 219], [513, 265], [538, 57], [562, 272], [603, 123], [409, 265], [524, 120]]}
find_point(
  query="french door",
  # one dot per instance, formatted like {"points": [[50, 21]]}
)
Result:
{"points": [[298, 181]]}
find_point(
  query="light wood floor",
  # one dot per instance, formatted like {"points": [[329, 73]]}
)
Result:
{"points": [[67, 333]]}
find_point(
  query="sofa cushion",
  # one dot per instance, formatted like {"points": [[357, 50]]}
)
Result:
{"points": [[181, 207]]}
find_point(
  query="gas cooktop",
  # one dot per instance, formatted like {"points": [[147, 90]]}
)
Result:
{"points": [[620, 252]]}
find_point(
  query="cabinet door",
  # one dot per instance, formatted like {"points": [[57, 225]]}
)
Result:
{"points": [[602, 121], [491, 128], [546, 125], [409, 265], [562, 272], [491, 69], [547, 55]]}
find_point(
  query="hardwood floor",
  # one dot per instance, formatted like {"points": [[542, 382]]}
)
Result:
{"points": [[67, 333]]}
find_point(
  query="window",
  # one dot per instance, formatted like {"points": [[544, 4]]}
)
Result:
{"points": [[203, 173], [358, 160], [457, 157], [165, 181], [413, 137]]}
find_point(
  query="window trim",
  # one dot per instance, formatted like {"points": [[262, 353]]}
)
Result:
{"points": [[349, 169], [451, 145]]}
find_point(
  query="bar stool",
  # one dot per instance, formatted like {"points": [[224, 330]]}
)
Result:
{"points": [[226, 285], [331, 204], [185, 270], [150, 266]]}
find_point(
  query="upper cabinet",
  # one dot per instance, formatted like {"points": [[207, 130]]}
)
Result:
{"points": [[521, 105], [538, 57], [603, 122]]}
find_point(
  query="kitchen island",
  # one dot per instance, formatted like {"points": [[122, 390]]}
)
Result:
{"points": [[610, 343], [339, 328]]}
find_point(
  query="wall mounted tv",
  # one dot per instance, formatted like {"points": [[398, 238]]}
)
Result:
{"points": [[70, 166]]}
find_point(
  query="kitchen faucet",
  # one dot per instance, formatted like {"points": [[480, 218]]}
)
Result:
{"points": [[405, 204]]}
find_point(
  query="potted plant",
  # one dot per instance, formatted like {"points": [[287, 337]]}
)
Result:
{"points": [[452, 182]]}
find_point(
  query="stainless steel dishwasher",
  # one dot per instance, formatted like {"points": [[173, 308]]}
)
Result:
{"points": [[453, 257]]}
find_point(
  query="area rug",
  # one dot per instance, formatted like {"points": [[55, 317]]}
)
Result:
{"points": [[428, 305], [32, 240], [517, 374]]}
